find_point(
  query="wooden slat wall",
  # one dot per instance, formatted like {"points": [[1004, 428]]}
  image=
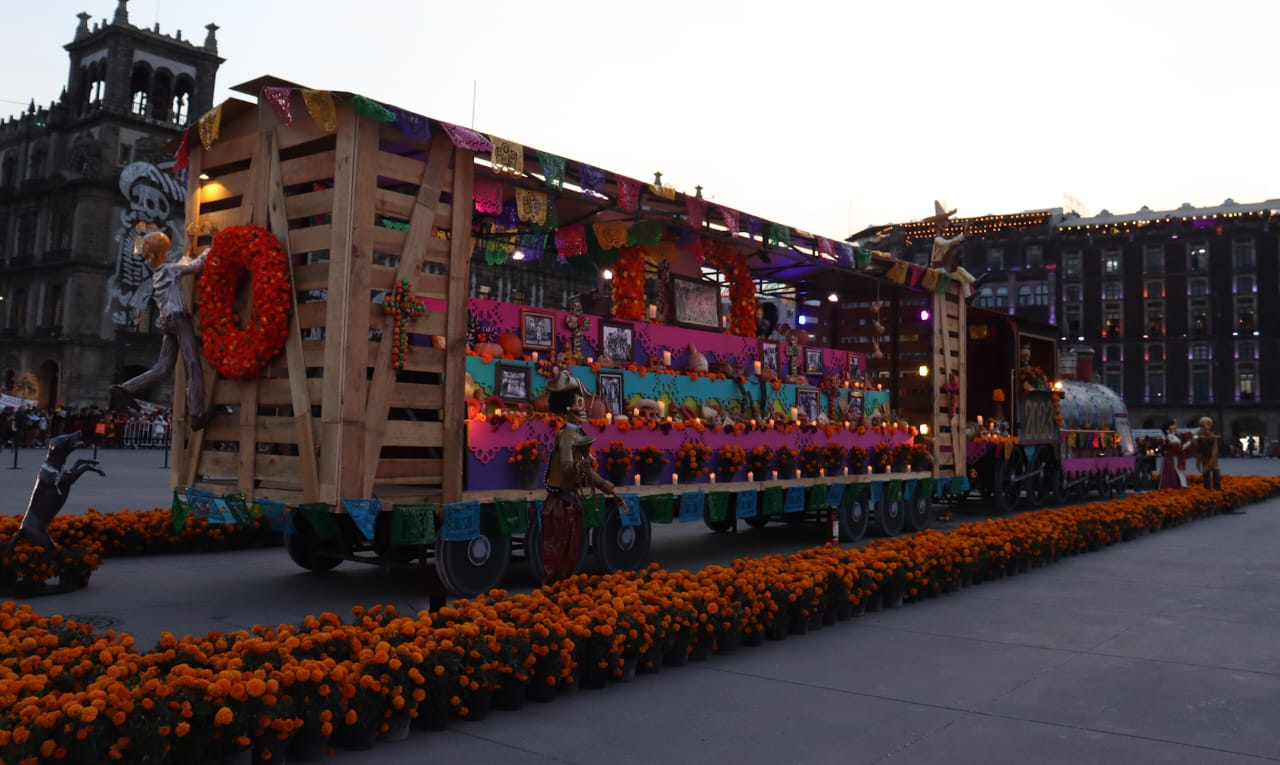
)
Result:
{"points": [[324, 206]]}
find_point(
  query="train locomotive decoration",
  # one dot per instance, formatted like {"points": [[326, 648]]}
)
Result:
{"points": [[738, 370]]}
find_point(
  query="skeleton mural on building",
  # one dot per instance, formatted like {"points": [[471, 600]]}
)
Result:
{"points": [[156, 202]]}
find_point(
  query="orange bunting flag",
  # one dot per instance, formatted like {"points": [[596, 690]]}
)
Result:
{"points": [[610, 235], [321, 108], [930, 279], [508, 156], [898, 272], [663, 192], [531, 205], [210, 123]]}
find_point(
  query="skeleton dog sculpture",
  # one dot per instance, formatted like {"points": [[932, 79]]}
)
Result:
{"points": [[53, 484]]}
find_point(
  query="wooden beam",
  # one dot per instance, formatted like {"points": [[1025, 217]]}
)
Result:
{"points": [[435, 172], [455, 436]]}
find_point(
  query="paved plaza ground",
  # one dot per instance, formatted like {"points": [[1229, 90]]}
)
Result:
{"points": [[1161, 650]]}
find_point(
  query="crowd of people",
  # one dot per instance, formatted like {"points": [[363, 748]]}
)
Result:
{"points": [[30, 427]]}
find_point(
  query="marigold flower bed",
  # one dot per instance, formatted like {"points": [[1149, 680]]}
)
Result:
{"points": [[71, 694]]}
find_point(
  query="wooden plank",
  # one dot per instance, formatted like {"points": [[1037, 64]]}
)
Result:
{"points": [[311, 314], [337, 334], [309, 168], [248, 433], [229, 149], [300, 132], [455, 352], [409, 470], [223, 187], [435, 174], [416, 433], [432, 285], [278, 391], [301, 394], [406, 169], [313, 239], [416, 396], [309, 204], [277, 468]]}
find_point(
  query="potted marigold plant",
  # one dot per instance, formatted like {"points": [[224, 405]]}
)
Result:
{"points": [[616, 458], [784, 459], [880, 458], [692, 459], [729, 460], [857, 459], [526, 459], [649, 462], [812, 461], [900, 457], [759, 460]]}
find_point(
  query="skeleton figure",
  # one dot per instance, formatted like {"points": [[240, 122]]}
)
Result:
{"points": [[156, 202]]}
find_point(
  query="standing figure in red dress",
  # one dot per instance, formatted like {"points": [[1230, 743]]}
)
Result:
{"points": [[1173, 468], [570, 469]]}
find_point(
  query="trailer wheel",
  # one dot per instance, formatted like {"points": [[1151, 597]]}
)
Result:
{"points": [[756, 521], [302, 546], [718, 526], [890, 516], [853, 518], [477, 565], [1119, 487], [1008, 491], [919, 512], [1057, 494], [619, 547], [533, 550], [1102, 485], [1039, 489]]}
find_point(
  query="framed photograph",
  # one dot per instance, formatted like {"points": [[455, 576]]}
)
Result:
{"points": [[537, 330], [809, 402], [696, 302], [813, 361], [769, 356], [618, 340], [511, 382], [855, 367], [609, 389]]}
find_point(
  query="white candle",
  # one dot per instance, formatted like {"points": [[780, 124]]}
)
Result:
{"points": [[666, 358], [774, 474], [637, 479], [751, 477], [635, 412], [795, 413], [753, 424], [868, 470], [713, 478], [591, 360], [535, 357], [797, 473], [675, 478], [662, 405], [822, 472], [498, 411], [653, 312], [724, 322], [758, 369], [979, 419], [846, 470], [608, 418]]}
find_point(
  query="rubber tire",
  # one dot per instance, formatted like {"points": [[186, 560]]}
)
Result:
{"points": [[476, 566], [853, 518], [757, 521], [890, 516], [617, 547], [919, 512], [301, 546], [1008, 494]]}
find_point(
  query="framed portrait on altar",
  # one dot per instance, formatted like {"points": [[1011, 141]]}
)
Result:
{"points": [[769, 356], [511, 382], [609, 389], [696, 303], [809, 402], [537, 330], [813, 361], [855, 367], [618, 340]]}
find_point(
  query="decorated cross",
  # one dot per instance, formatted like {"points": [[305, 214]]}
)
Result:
{"points": [[664, 277], [401, 306], [952, 389], [578, 324]]}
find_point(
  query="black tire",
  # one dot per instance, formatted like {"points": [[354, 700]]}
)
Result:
{"points": [[1008, 491], [303, 546], [853, 517], [1039, 490], [919, 512], [1120, 485], [478, 565], [719, 526], [890, 515], [1102, 485], [1057, 495], [757, 521], [618, 547]]}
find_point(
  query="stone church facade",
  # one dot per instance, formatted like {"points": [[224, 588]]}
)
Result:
{"points": [[79, 180]]}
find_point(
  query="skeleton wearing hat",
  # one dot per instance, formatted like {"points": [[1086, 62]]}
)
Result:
{"points": [[570, 469]]}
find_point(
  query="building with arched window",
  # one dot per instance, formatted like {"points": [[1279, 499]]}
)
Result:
{"points": [[79, 179]]}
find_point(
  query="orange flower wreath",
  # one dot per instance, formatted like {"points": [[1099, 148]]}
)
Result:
{"points": [[240, 353]]}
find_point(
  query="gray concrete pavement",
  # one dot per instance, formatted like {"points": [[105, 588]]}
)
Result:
{"points": [[1158, 650]]}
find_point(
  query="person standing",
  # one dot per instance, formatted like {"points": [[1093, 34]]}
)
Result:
{"points": [[179, 333], [1206, 442], [570, 470], [1173, 467]]}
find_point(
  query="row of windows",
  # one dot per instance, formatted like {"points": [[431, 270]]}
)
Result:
{"points": [[1243, 258], [1199, 323], [1154, 390], [1244, 350]]}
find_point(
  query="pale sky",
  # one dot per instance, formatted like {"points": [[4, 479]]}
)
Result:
{"points": [[825, 115]]}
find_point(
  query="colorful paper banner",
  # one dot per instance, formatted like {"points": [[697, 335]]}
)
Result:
{"points": [[630, 510], [461, 521], [413, 524], [793, 502], [364, 513], [691, 503], [745, 505]]}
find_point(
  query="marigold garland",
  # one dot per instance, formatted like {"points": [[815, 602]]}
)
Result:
{"points": [[401, 306], [241, 353], [628, 284]]}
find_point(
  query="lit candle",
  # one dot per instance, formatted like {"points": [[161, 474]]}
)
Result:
{"points": [[713, 478], [653, 312], [751, 477], [868, 470], [662, 405], [758, 369], [753, 424], [675, 478], [795, 413], [498, 411], [797, 473], [591, 360], [535, 357], [846, 470], [608, 418], [822, 472], [774, 474], [979, 419], [637, 478], [666, 358], [846, 424], [724, 322], [635, 412]]}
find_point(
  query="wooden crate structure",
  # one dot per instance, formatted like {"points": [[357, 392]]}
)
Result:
{"points": [[358, 206]]}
